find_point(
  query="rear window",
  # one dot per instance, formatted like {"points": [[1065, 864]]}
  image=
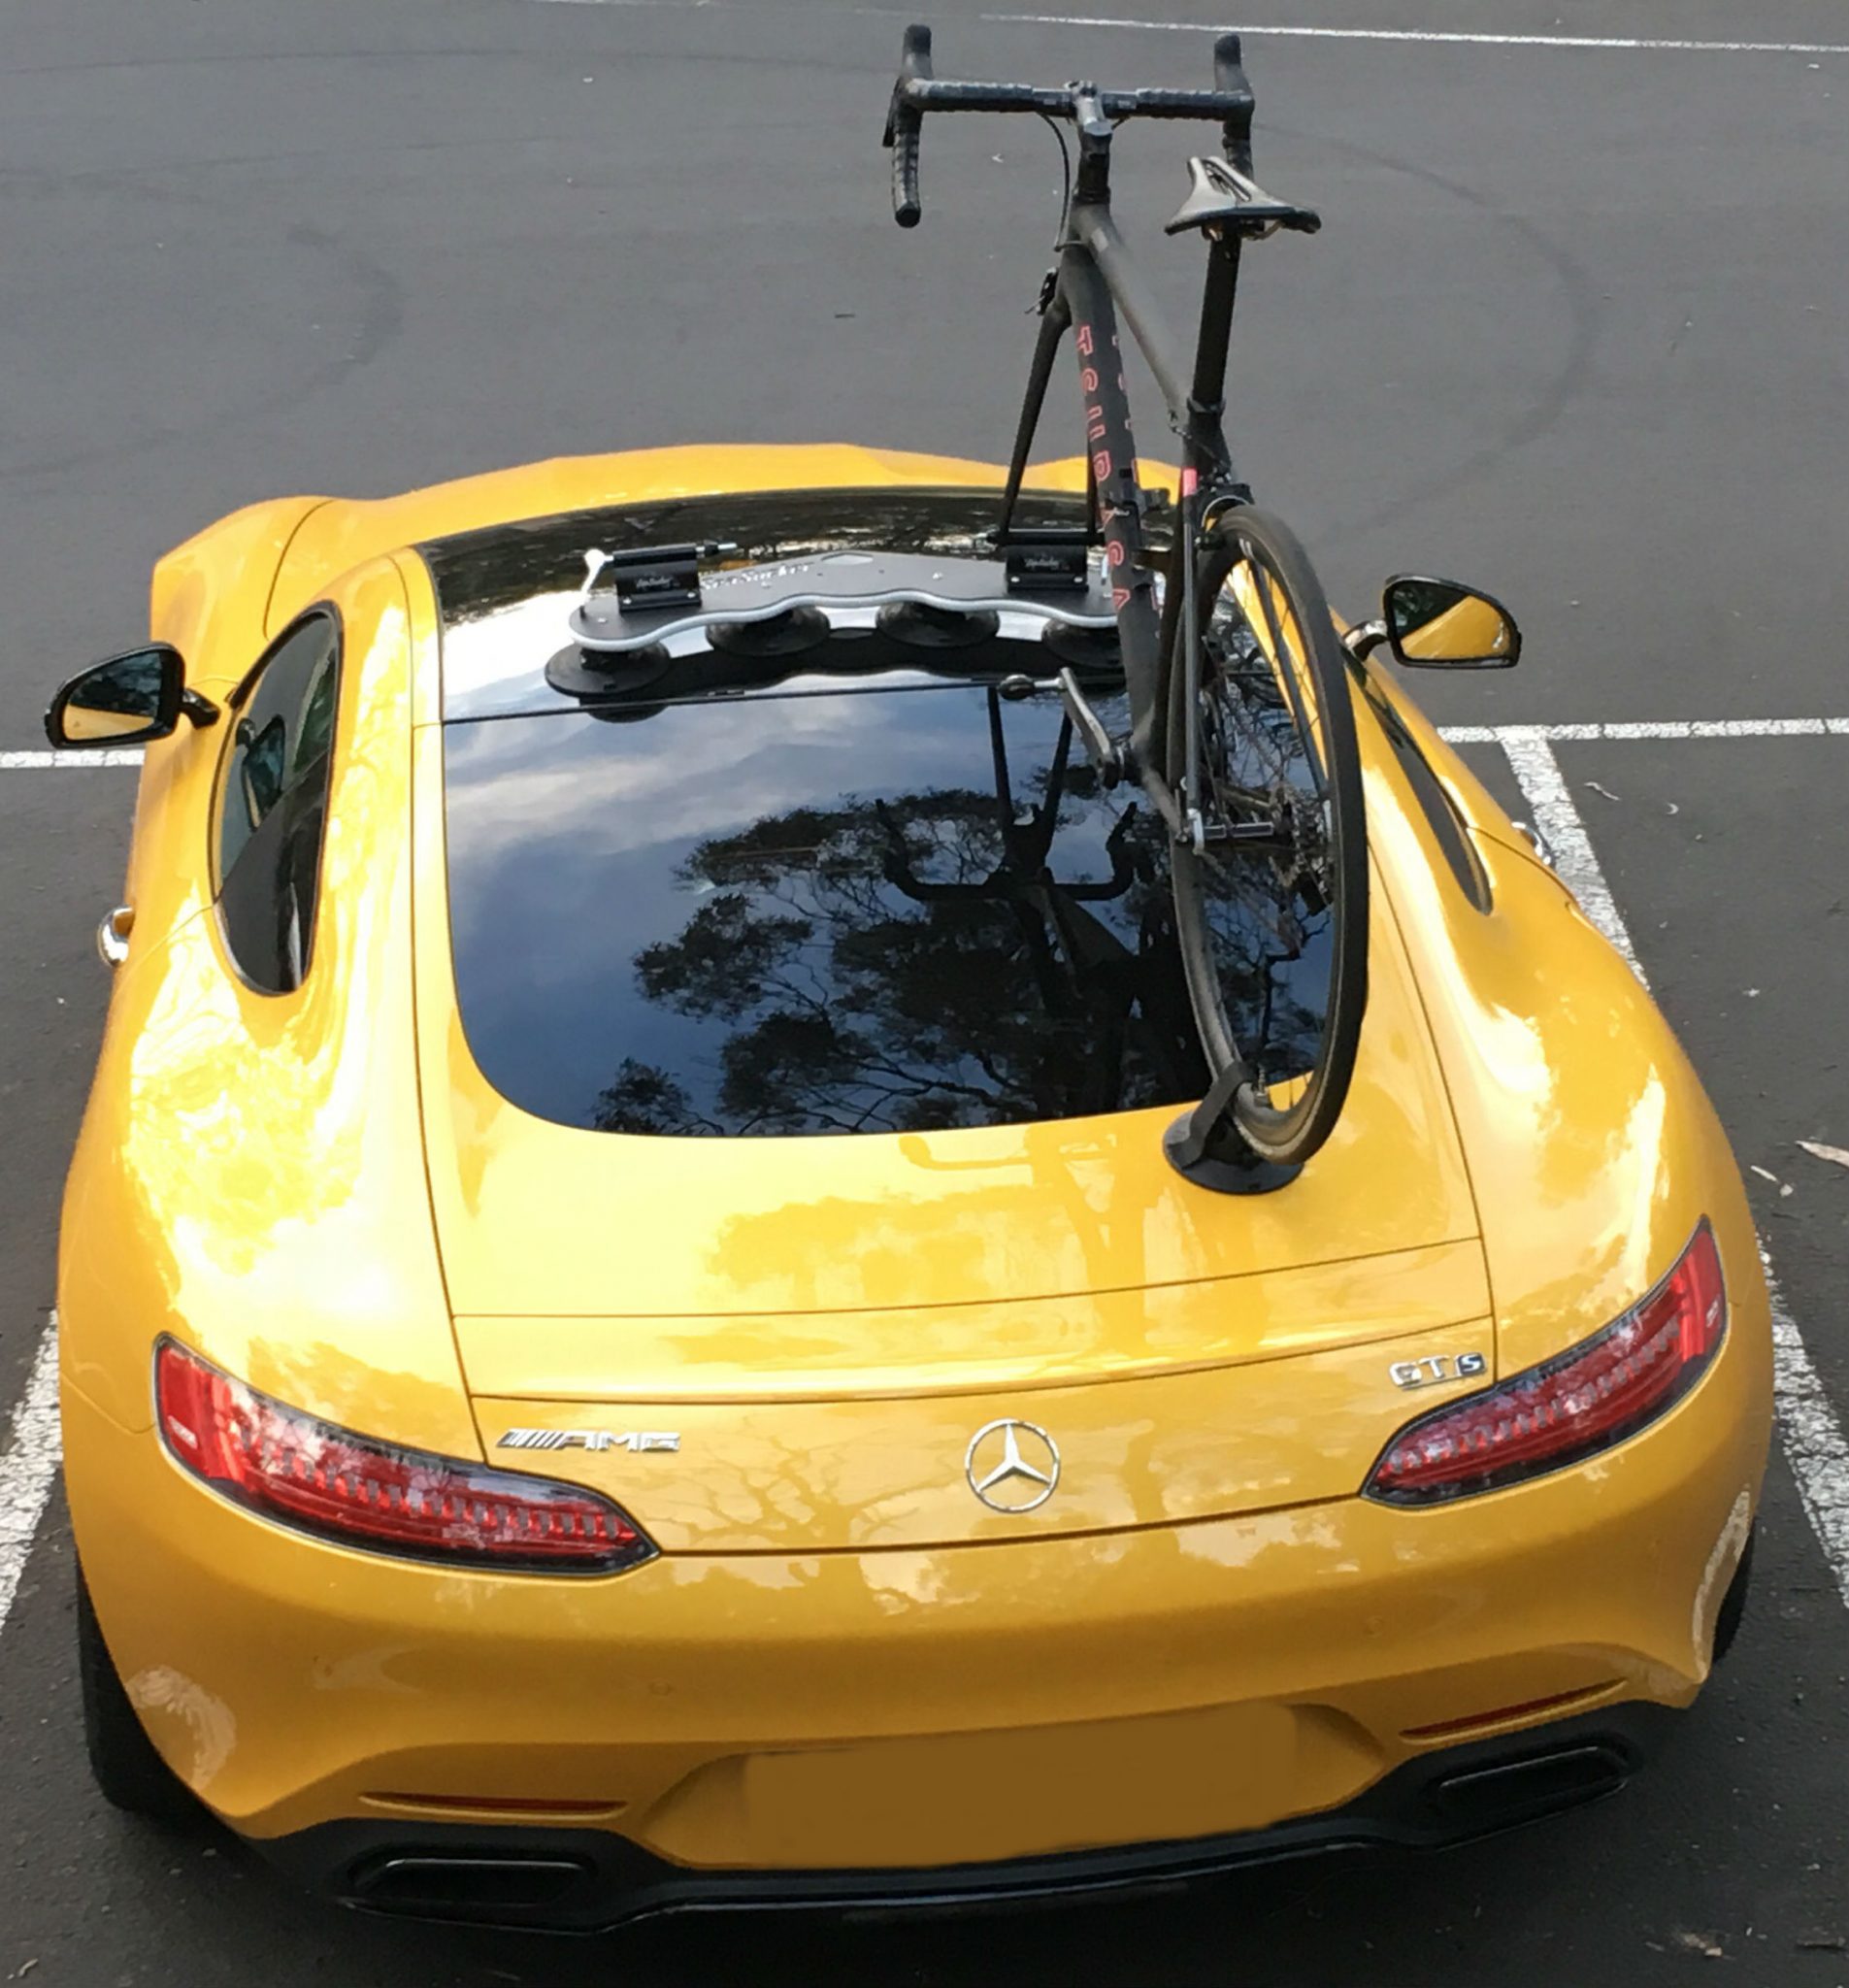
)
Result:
{"points": [[794, 914], [813, 875]]}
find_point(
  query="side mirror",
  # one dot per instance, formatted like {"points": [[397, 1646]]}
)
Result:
{"points": [[126, 700], [1437, 624]]}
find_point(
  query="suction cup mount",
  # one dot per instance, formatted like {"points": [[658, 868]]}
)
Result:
{"points": [[790, 633], [919, 624], [590, 675], [1205, 1148]]}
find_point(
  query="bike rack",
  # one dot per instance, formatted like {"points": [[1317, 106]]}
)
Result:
{"points": [[838, 584]]}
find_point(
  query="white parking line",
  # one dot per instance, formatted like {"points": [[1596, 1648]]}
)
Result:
{"points": [[46, 762], [1650, 43], [1544, 788], [1632, 729], [1657, 728], [1812, 1437], [28, 1467]]}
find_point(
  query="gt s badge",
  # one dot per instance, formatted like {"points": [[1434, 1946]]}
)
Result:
{"points": [[590, 1438], [1436, 1366]]}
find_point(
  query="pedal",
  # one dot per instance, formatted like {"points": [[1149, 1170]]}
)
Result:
{"points": [[1221, 197], [1100, 748]]}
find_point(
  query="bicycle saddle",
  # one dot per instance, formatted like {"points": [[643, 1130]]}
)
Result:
{"points": [[1220, 196]]}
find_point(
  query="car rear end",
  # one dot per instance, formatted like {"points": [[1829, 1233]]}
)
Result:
{"points": [[854, 1484]]}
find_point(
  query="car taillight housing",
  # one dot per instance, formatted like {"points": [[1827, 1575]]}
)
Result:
{"points": [[318, 1478], [1567, 1408]]}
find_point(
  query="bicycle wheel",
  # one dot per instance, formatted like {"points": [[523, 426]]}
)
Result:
{"points": [[1271, 902]]}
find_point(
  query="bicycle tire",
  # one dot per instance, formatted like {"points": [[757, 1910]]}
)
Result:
{"points": [[1335, 867]]}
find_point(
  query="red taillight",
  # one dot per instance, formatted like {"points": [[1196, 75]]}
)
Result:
{"points": [[344, 1487], [1603, 1391]]}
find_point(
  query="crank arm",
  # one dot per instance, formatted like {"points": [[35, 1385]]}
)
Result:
{"points": [[1100, 748]]}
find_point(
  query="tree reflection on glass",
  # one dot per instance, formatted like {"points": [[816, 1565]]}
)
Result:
{"points": [[908, 963], [940, 957]]}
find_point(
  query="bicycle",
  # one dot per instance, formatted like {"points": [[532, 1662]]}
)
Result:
{"points": [[1242, 732]]}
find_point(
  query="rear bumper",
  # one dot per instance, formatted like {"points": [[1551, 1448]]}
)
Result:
{"points": [[1247, 1684], [587, 1880]]}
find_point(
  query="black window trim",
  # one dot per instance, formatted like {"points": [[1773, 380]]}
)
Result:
{"points": [[236, 699], [1452, 831]]}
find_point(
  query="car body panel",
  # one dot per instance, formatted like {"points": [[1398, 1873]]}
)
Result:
{"points": [[1594, 1151], [891, 1352], [840, 1638], [246, 1175]]}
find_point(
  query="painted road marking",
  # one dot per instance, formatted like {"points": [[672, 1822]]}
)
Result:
{"points": [[1564, 833], [28, 1467], [1458, 734], [70, 757], [1807, 1426], [1811, 1434], [1649, 43], [1657, 728]]}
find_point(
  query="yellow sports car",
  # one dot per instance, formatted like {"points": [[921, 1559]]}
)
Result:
{"points": [[629, 1335]]}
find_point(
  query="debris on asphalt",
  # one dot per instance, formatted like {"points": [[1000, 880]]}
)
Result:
{"points": [[1606, 791], [1704, 1944], [1764, 1175], [1819, 1152], [1822, 1942]]}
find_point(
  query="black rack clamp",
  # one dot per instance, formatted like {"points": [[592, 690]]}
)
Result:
{"points": [[1205, 1148], [651, 577], [1045, 559]]}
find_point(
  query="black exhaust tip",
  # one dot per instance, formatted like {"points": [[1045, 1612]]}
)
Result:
{"points": [[1511, 1791], [450, 1886]]}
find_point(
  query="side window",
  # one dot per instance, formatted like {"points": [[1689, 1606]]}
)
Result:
{"points": [[272, 804]]}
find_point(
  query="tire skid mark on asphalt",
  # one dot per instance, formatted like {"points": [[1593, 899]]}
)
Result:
{"points": [[28, 1467], [1811, 1436]]}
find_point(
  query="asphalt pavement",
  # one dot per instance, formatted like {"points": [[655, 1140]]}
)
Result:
{"points": [[1574, 331]]}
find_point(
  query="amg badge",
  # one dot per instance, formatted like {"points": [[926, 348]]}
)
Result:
{"points": [[589, 1439], [1437, 1367]]}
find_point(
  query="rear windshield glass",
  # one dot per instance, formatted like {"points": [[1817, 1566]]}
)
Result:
{"points": [[808, 875], [811, 914]]}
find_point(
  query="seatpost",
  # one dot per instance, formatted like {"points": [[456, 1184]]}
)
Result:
{"points": [[1206, 400]]}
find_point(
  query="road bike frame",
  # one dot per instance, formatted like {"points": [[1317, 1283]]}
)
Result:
{"points": [[1093, 282], [1092, 285]]}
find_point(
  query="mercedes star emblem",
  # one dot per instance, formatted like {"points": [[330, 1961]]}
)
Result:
{"points": [[1011, 1465]]}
